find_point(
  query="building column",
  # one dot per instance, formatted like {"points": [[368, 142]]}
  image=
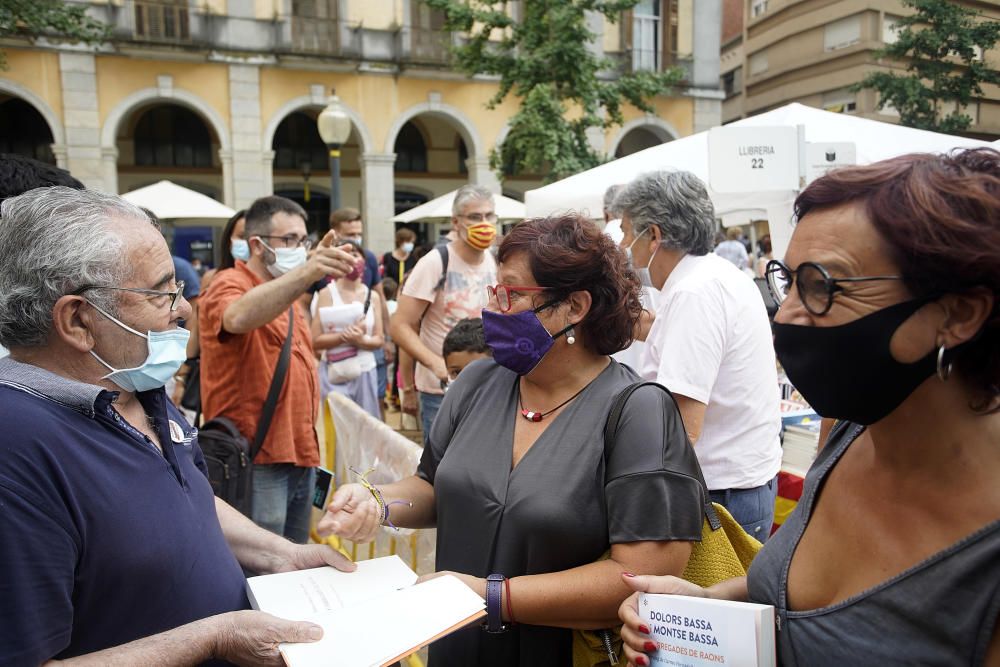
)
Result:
{"points": [[109, 162], [481, 174], [379, 193], [249, 180], [707, 43], [707, 109], [268, 166], [226, 157], [78, 75]]}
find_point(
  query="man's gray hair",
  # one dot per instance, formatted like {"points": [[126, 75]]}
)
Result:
{"points": [[468, 193], [54, 241], [676, 202], [611, 205]]}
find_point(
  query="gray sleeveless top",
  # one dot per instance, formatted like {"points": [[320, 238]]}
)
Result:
{"points": [[942, 611]]}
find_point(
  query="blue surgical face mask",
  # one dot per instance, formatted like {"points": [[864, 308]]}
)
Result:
{"points": [[240, 249], [407, 247], [167, 350], [285, 259]]}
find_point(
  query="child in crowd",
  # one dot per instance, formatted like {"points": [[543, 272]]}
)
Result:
{"points": [[464, 344]]}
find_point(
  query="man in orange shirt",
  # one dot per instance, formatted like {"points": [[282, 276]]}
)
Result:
{"points": [[244, 321]]}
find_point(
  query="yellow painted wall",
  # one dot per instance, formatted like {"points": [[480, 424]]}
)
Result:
{"points": [[380, 100], [119, 77], [375, 14], [685, 27], [38, 71], [612, 38], [679, 112], [263, 9]]}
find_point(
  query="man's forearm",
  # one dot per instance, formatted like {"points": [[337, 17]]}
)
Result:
{"points": [[408, 339], [190, 644], [256, 549], [265, 302]]}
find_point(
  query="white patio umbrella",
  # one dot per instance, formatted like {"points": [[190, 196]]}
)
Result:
{"points": [[170, 201], [439, 209]]}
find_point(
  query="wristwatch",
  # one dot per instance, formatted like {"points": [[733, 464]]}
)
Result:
{"points": [[494, 617]]}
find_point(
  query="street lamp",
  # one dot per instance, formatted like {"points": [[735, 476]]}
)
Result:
{"points": [[334, 129]]}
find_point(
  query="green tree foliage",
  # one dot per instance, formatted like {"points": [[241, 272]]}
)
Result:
{"points": [[545, 60], [49, 17], [942, 44]]}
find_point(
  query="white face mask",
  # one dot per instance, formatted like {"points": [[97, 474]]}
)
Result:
{"points": [[167, 350], [645, 279], [285, 259], [407, 247]]}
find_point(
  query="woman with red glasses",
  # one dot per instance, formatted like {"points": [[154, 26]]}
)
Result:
{"points": [[532, 511]]}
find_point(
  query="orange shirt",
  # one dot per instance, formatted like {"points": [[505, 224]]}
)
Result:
{"points": [[236, 372]]}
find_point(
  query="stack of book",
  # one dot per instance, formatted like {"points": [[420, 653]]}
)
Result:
{"points": [[800, 440]]}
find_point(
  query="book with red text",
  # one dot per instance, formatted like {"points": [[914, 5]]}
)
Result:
{"points": [[696, 632]]}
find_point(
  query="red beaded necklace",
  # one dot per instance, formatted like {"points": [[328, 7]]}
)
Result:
{"points": [[539, 416]]}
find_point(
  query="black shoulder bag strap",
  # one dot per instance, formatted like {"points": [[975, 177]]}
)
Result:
{"points": [[277, 382], [368, 301], [611, 428], [443, 251]]}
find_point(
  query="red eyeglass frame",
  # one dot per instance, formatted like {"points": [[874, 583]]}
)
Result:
{"points": [[491, 291]]}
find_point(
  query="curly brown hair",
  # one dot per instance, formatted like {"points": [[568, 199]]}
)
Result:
{"points": [[941, 216], [568, 254]]}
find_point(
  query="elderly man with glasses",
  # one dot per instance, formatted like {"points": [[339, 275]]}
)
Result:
{"points": [[243, 325], [112, 547], [710, 343]]}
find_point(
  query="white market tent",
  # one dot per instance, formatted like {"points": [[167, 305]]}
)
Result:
{"points": [[170, 201], [874, 141], [439, 209]]}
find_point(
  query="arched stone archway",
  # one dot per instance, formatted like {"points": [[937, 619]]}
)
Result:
{"points": [[456, 118], [359, 144], [658, 128], [55, 124], [148, 97]]}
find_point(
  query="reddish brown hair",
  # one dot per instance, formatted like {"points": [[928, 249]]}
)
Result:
{"points": [[941, 216], [568, 254]]}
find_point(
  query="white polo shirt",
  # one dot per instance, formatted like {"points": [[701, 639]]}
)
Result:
{"points": [[711, 341]]}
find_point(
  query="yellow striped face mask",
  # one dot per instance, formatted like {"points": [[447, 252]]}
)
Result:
{"points": [[480, 235]]}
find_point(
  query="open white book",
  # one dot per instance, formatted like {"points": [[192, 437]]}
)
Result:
{"points": [[692, 632], [371, 617]]}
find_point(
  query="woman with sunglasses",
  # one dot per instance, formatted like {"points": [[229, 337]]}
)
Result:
{"points": [[532, 512], [890, 324]]}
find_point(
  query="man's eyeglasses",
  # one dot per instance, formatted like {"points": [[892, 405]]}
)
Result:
{"points": [[174, 295], [288, 241], [480, 217], [502, 294], [815, 284]]}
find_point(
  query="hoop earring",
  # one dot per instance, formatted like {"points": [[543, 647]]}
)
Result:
{"points": [[571, 337], [943, 370]]}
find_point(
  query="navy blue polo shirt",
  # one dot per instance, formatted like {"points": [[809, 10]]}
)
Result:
{"points": [[103, 539]]}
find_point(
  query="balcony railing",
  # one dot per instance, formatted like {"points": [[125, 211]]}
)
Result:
{"points": [[429, 45], [162, 21], [315, 35]]}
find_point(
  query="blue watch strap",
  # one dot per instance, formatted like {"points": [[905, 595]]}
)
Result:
{"points": [[494, 596]]}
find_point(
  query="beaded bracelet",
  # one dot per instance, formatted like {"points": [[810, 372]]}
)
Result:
{"points": [[383, 507]]}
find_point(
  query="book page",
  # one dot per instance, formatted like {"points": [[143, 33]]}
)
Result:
{"points": [[301, 595], [338, 318], [384, 630]]}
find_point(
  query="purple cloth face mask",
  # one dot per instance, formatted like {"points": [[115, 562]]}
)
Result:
{"points": [[518, 341]]}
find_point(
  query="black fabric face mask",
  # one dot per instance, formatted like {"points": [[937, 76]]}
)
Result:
{"points": [[847, 371]]}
